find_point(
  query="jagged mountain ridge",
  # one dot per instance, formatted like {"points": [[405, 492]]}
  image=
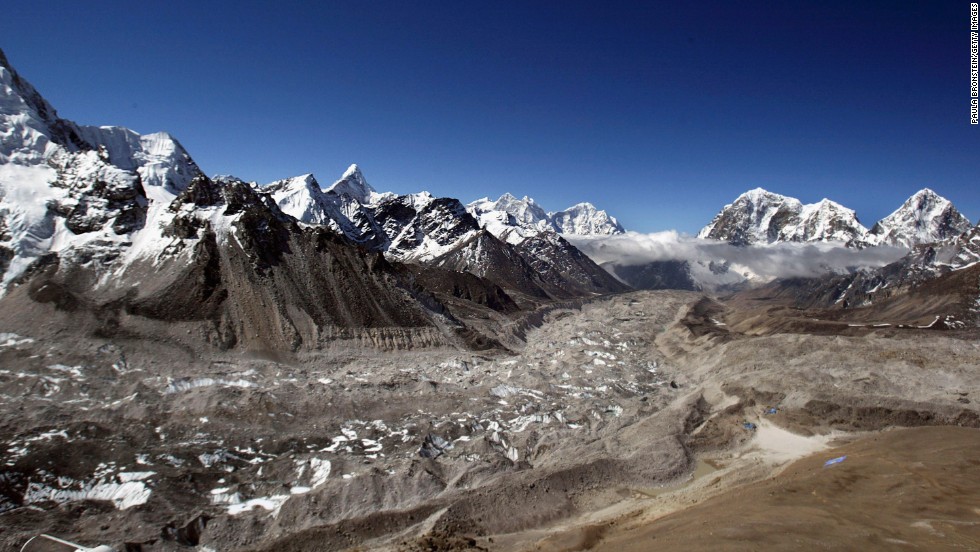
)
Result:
{"points": [[123, 233], [924, 263], [112, 228], [245, 275], [760, 217], [441, 232], [934, 286], [509, 212]]}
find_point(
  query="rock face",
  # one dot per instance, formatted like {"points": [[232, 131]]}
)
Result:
{"points": [[274, 285], [760, 217]]}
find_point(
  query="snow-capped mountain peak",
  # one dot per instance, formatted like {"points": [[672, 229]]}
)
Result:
{"points": [[825, 221], [760, 194], [308, 180], [924, 218], [756, 216], [584, 219], [158, 157], [525, 212], [354, 185], [92, 192], [502, 216], [30, 129], [759, 216], [301, 198]]}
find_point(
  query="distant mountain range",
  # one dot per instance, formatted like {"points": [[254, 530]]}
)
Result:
{"points": [[761, 236], [760, 217], [924, 263], [121, 232], [934, 286], [507, 212]]}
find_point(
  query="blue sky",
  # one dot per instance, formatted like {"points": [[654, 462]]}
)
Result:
{"points": [[659, 112]]}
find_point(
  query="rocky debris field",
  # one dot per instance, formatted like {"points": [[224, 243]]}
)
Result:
{"points": [[154, 447], [144, 445]]}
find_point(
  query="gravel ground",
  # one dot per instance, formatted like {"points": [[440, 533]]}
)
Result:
{"points": [[148, 445]]}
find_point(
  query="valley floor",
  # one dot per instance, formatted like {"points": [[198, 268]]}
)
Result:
{"points": [[588, 437], [905, 489]]}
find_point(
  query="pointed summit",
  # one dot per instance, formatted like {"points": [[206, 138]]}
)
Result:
{"points": [[925, 217], [17, 95], [353, 171], [354, 185]]}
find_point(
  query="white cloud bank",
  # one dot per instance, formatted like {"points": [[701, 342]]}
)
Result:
{"points": [[756, 263]]}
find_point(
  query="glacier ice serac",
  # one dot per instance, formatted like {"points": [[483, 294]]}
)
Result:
{"points": [[761, 217]]}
